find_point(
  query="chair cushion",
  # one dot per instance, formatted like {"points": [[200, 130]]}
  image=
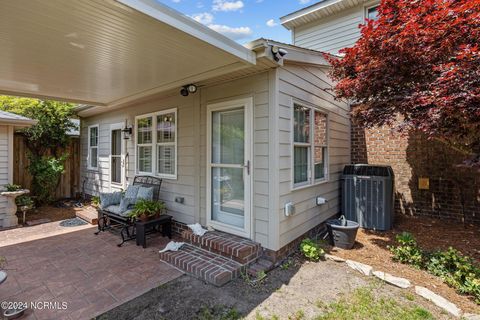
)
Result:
{"points": [[145, 193], [108, 199], [115, 208], [126, 203], [131, 192]]}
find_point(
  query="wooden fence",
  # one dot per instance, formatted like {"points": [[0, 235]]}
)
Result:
{"points": [[69, 185]]}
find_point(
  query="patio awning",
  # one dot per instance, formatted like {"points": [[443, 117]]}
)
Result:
{"points": [[105, 52]]}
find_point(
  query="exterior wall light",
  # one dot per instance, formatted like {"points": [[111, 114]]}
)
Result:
{"points": [[127, 132], [189, 88]]}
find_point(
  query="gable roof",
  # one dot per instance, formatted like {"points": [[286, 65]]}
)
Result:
{"points": [[294, 53], [317, 11]]}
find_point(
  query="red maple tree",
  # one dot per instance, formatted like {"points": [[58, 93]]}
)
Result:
{"points": [[420, 59]]}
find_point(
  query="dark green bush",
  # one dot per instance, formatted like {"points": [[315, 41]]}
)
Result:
{"points": [[46, 172], [407, 251], [456, 270]]}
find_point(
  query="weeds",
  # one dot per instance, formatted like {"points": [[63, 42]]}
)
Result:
{"points": [[311, 250], [363, 305]]}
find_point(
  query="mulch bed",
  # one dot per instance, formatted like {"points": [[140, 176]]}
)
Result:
{"points": [[431, 234], [56, 212]]}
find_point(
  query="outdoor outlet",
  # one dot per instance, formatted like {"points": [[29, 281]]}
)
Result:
{"points": [[321, 201], [289, 209], [179, 199]]}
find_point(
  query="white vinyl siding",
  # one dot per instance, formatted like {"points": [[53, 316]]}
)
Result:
{"points": [[332, 33], [309, 86], [273, 96], [191, 141], [5, 150], [93, 147]]}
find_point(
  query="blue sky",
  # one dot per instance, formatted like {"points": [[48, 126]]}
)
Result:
{"points": [[241, 20]]}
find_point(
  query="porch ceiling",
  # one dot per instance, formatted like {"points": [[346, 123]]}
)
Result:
{"points": [[106, 52]]}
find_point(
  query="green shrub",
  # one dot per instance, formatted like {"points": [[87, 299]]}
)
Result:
{"points": [[46, 172], [407, 251], [455, 269], [311, 250]]}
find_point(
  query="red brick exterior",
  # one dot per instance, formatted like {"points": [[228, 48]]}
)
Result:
{"points": [[241, 250], [454, 192], [203, 264]]}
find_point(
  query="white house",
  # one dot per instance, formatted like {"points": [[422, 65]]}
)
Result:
{"points": [[251, 150], [329, 25], [233, 154]]}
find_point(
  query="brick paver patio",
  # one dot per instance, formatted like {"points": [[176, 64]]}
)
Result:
{"points": [[90, 273]]}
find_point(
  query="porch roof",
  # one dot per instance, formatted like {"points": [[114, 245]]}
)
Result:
{"points": [[106, 52], [16, 120]]}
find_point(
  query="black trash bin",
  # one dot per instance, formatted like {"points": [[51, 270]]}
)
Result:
{"points": [[342, 232]]}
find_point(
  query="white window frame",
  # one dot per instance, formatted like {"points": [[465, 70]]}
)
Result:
{"points": [[90, 147], [311, 181], [367, 8], [154, 144]]}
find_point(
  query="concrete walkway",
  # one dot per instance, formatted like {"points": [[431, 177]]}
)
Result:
{"points": [[84, 274]]}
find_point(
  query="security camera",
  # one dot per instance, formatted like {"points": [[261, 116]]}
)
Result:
{"points": [[189, 88], [184, 92], [278, 53], [282, 52]]}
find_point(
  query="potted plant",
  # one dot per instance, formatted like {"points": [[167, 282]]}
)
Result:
{"points": [[95, 201], [147, 209]]}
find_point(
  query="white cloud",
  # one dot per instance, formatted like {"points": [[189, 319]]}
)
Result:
{"points": [[304, 1], [271, 23], [232, 32], [224, 5], [176, 1], [204, 17]]}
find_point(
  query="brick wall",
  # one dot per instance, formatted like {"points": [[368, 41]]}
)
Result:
{"points": [[454, 192]]}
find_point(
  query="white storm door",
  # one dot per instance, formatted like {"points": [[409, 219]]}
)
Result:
{"points": [[229, 166]]}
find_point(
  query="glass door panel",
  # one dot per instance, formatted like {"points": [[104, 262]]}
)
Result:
{"points": [[227, 167]]}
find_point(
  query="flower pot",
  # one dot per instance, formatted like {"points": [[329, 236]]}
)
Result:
{"points": [[342, 233]]}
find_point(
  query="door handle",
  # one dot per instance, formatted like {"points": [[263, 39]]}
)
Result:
{"points": [[247, 166]]}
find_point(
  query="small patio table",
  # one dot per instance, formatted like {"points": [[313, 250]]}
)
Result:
{"points": [[142, 228]]}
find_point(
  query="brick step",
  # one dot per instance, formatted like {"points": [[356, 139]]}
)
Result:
{"points": [[202, 264], [242, 250], [88, 215], [261, 265]]}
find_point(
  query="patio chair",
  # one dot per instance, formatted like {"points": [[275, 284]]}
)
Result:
{"points": [[113, 218]]}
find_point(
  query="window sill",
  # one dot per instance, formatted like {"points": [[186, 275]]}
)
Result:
{"points": [[306, 186], [166, 177]]}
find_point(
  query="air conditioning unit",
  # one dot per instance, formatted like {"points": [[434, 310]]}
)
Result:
{"points": [[368, 195]]}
